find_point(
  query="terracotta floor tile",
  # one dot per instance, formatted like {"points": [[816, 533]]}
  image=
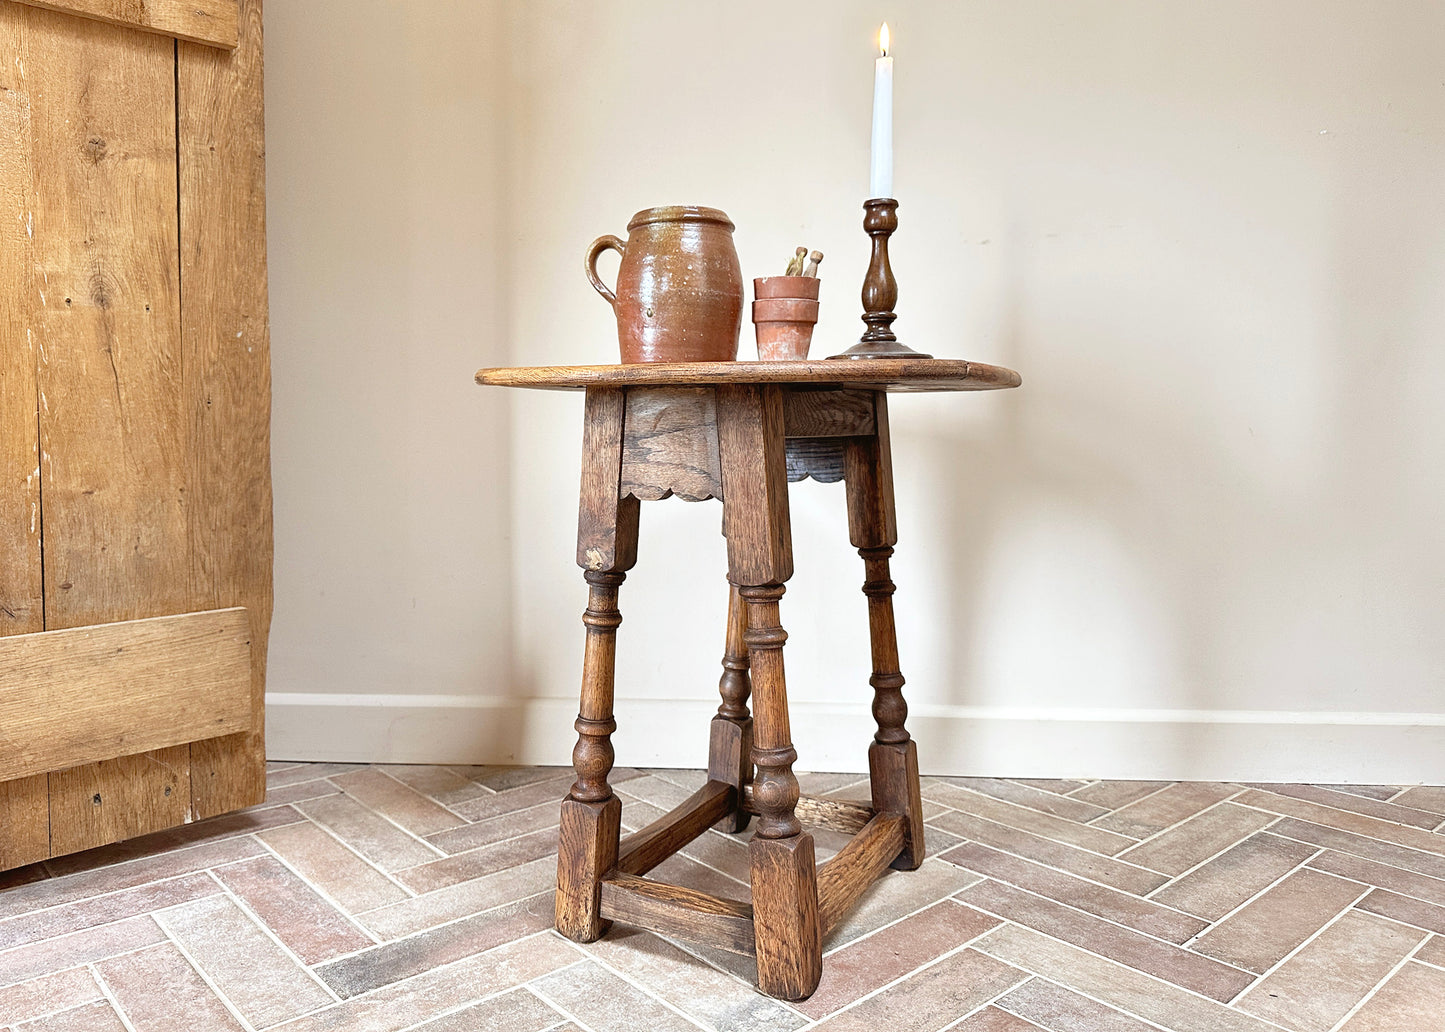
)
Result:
{"points": [[1414, 998], [1257, 936], [397, 802], [100, 910], [73, 888], [445, 786], [991, 1019], [1433, 952], [165, 843], [1034, 798], [1120, 907], [551, 791], [299, 792], [1166, 808], [652, 789], [91, 1017], [308, 772], [1383, 875], [1118, 986], [263, 983], [61, 990], [1084, 836], [1061, 786], [1111, 795], [461, 900], [867, 964], [1423, 797], [495, 829], [1196, 839], [159, 991], [829, 784], [484, 860], [1059, 1010], [1386, 831], [1385, 811], [438, 991], [713, 999], [309, 925], [1319, 985], [402, 958], [500, 779], [515, 1011], [333, 868], [1117, 874], [1151, 956], [897, 894], [1216, 888], [1405, 910], [1358, 845], [727, 853], [369, 833], [1380, 792], [932, 999], [605, 1003], [83, 947]]}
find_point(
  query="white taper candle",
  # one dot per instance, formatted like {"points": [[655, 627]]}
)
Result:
{"points": [[880, 178]]}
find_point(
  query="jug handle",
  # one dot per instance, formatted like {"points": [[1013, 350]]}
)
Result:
{"points": [[599, 245]]}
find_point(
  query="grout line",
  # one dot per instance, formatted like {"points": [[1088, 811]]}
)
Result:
{"points": [[110, 996], [1134, 802], [432, 928], [269, 933], [370, 809], [1346, 831], [989, 1003], [26, 1019], [336, 905], [1298, 949], [1031, 809], [520, 987], [1230, 913], [1213, 857], [364, 859], [1182, 821], [1103, 1003], [225, 1000], [567, 1015], [1378, 986], [421, 795], [639, 986]]}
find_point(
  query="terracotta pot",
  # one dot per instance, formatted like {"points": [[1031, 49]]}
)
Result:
{"points": [[786, 286], [679, 291], [784, 326]]}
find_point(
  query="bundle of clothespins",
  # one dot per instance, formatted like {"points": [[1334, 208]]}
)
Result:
{"points": [[803, 263]]}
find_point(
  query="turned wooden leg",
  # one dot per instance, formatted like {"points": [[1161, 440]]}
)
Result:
{"points": [[872, 526], [730, 758], [606, 549], [784, 868]]}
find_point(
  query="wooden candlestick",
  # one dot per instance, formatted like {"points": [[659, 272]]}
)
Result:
{"points": [[880, 289]]}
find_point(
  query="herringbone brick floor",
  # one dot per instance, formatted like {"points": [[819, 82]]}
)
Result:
{"points": [[383, 899]]}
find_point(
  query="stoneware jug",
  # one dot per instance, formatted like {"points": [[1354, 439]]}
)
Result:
{"points": [[679, 291]]}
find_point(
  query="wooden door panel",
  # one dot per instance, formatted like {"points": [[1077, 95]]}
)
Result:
{"points": [[227, 360], [204, 21]]}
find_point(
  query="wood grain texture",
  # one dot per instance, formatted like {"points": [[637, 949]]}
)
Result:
{"points": [[867, 855], [643, 850], [95, 693], [604, 515], [838, 815], [118, 799], [827, 413], [822, 458], [586, 852], [755, 486], [226, 361], [24, 803], [205, 21], [669, 444], [112, 427], [730, 738], [893, 775], [681, 912], [913, 374], [785, 916]]}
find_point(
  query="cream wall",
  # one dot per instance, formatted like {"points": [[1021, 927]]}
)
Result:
{"points": [[1202, 540]]}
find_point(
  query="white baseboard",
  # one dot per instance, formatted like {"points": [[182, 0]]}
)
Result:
{"points": [[1369, 748]]}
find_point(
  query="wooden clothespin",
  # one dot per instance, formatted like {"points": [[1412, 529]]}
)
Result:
{"points": [[795, 264], [813, 260]]}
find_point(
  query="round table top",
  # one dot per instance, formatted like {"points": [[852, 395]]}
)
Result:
{"points": [[879, 374]]}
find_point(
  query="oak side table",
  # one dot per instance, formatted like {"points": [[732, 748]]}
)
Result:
{"points": [[739, 432]]}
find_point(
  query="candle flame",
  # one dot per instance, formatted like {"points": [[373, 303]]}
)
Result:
{"points": [[883, 39]]}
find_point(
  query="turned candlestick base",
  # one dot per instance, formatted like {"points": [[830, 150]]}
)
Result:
{"points": [[880, 289]]}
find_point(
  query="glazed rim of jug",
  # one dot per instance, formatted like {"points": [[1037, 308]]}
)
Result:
{"points": [[679, 213]]}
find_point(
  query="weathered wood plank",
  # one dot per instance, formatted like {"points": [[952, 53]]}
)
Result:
{"points": [[643, 850], [204, 21], [867, 855], [117, 799], [669, 444], [96, 693], [681, 912], [24, 803], [226, 350], [112, 428]]}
